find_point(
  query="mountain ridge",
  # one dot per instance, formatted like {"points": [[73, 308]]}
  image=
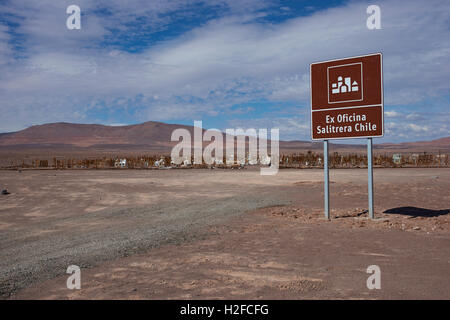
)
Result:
{"points": [[154, 134]]}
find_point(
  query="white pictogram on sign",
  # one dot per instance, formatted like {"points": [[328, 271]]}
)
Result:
{"points": [[346, 86], [345, 83]]}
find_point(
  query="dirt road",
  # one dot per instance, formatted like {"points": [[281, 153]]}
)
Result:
{"points": [[223, 234]]}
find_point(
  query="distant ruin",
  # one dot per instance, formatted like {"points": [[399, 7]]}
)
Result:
{"points": [[309, 159]]}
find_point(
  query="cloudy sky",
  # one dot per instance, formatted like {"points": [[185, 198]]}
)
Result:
{"points": [[230, 63]]}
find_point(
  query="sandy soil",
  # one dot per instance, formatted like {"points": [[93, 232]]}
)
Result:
{"points": [[223, 234]]}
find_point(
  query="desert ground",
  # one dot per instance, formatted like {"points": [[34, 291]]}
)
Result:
{"points": [[215, 234]]}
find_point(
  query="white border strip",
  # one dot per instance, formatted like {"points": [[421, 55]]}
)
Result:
{"points": [[382, 97], [361, 85], [352, 107]]}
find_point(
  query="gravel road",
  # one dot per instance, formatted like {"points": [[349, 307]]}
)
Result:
{"points": [[117, 233], [53, 219]]}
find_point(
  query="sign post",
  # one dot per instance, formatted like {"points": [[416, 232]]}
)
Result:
{"points": [[347, 102], [326, 191], [370, 177]]}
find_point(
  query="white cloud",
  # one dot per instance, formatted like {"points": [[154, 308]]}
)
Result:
{"points": [[416, 128], [231, 60], [391, 114]]}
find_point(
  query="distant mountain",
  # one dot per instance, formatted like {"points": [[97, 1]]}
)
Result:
{"points": [[90, 135], [156, 136], [443, 143]]}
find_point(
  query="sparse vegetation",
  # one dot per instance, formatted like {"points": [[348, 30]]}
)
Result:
{"points": [[309, 159]]}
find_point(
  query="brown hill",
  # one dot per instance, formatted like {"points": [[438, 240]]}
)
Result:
{"points": [[156, 136], [90, 135], [442, 143]]}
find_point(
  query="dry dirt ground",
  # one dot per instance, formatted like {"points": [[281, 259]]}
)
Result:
{"points": [[211, 234]]}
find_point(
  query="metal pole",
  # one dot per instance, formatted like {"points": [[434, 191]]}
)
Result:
{"points": [[326, 180], [370, 177]]}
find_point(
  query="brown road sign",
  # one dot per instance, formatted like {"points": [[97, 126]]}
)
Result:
{"points": [[347, 98]]}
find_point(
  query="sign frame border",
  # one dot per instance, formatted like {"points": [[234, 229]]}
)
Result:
{"points": [[362, 84], [382, 98]]}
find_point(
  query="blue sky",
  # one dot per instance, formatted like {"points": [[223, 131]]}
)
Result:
{"points": [[229, 63]]}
